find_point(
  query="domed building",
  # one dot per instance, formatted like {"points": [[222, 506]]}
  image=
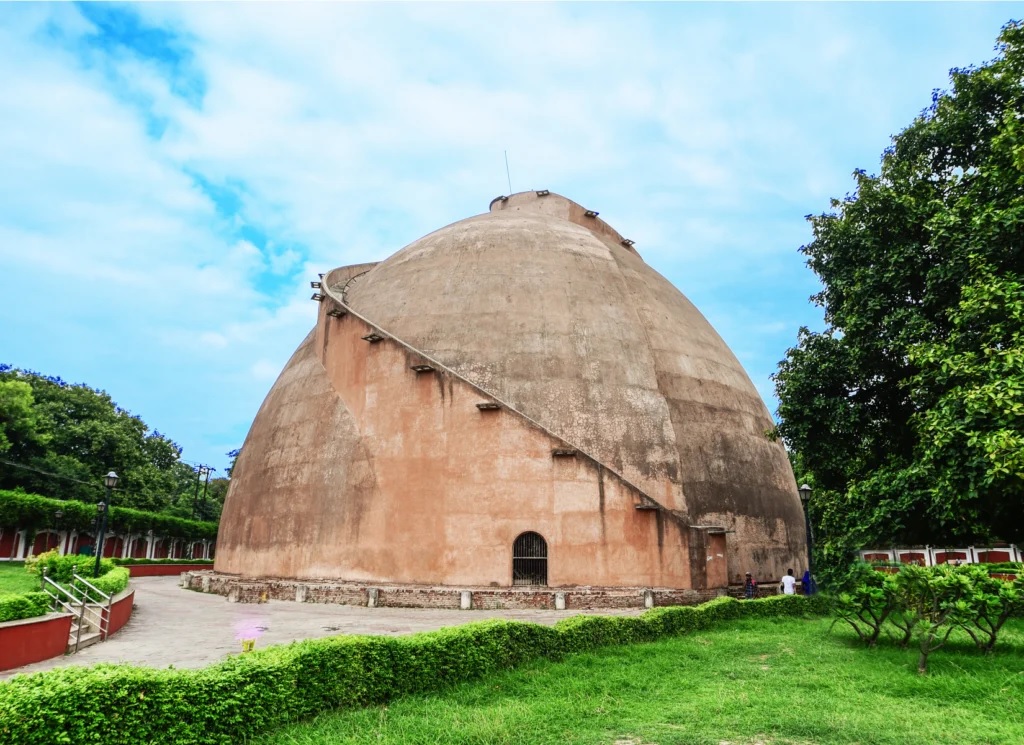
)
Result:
{"points": [[515, 399]]}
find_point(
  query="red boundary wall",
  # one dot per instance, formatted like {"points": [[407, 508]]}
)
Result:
{"points": [[36, 639], [121, 611], [164, 570], [33, 639]]}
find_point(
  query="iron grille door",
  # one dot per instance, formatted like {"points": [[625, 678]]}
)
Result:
{"points": [[530, 560]]}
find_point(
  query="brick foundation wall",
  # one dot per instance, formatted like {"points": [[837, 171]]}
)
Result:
{"points": [[240, 590], [763, 590]]}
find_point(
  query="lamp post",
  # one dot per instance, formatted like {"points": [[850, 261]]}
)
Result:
{"points": [[56, 526], [805, 498], [109, 481]]}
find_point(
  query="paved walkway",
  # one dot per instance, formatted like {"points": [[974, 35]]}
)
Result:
{"points": [[172, 626]]}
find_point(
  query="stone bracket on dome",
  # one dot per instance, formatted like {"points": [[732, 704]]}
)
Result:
{"points": [[336, 312], [647, 504], [375, 337], [422, 368], [488, 406]]}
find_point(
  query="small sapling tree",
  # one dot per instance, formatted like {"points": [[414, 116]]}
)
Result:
{"points": [[932, 599], [991, 602], [867, 602]]}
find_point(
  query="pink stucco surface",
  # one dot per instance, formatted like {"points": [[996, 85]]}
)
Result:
{"points": [[359, 468]]}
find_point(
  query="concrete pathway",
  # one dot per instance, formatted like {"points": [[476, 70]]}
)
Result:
{"points": [[172, 626]]}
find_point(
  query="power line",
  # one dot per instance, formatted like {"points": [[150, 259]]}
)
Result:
{"points": [[79, 481], [54, 475]]}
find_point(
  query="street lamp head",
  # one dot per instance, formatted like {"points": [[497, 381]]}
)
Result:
{"points": [[805, 493], [58, 514], [110, 480]]}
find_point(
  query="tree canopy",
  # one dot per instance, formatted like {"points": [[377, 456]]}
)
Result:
{"points": [[907, 411], [48, 426]]}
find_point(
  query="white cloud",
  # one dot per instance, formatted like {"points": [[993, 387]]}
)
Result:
{"points": [[175, 235], [264, 370]]}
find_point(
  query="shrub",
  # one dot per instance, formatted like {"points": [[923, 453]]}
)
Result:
{"points": [[868, 603], [252, 693], [14, 607], [60, 568], [929, 603], [110, 583], [982, 613]]}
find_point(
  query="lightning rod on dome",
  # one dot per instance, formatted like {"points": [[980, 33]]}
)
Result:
{"points": [[507, 174]]}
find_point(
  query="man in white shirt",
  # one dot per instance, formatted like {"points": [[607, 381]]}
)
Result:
{"points": [[788, 583]]}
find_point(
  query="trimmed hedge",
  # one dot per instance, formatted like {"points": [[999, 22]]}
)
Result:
{"points": [[14, 607], [256, 692], [135, 562], [60, 569], [36, 513], [112, 582]]}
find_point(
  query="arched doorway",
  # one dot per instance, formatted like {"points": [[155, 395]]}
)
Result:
{"points": [[530, 560]]}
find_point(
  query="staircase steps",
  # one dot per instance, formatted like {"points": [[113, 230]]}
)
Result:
{"points": [[89, 637]]}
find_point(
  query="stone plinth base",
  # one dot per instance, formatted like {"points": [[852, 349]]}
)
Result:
{"points": [[260, 590]]}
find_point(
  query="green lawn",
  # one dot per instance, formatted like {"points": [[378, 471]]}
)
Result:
{"points": [[751, 681], [14, 578]]}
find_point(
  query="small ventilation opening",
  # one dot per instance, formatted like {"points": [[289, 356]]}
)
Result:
{"points": [[530, 560]]}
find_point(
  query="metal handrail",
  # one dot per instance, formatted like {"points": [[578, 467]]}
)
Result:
{"points": [[104, 604], [78, 607], [61, 588], [90, 586]]}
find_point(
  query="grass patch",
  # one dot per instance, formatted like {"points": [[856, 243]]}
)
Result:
{"points": [[755, 680], [15, 580]]}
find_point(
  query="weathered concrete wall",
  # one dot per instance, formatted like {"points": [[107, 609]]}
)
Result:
{"points": [[544, 308], [409, 482], [359, 468]]}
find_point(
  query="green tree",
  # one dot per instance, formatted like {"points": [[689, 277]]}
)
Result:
{"points": [[79, 433], [17, 416], [906, 409]]}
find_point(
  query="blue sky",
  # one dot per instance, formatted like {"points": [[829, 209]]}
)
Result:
{"points": [[171, 176]]}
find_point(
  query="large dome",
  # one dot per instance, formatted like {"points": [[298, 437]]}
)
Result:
{"points": [[542, 310]]}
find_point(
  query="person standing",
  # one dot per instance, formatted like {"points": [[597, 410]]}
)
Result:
{"points": [[788, 583], [808, 584], [750, 587]]}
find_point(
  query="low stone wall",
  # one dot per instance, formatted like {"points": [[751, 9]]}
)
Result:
{"points": [[121, 609], [33, 639], [162, 570], [249, 590]]}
